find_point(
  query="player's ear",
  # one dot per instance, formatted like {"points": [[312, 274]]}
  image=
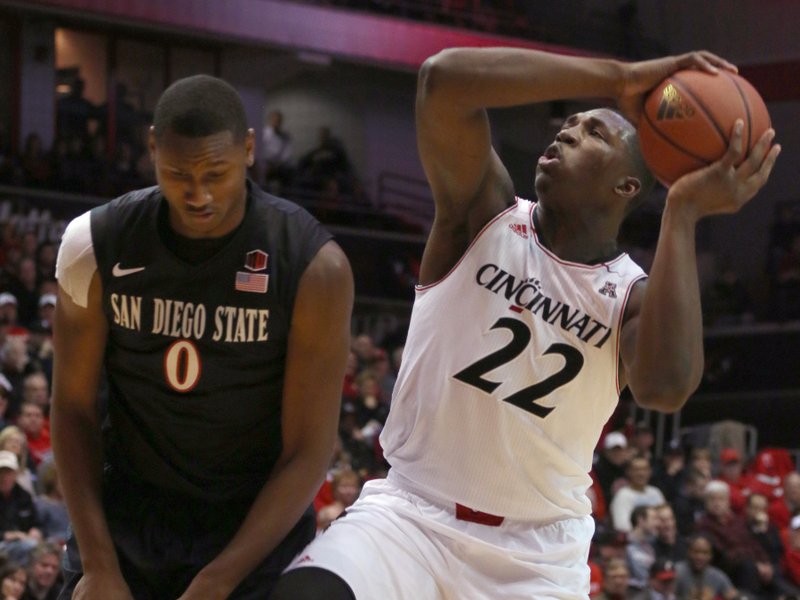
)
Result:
{"points": [[250, 146], [151, 144], [628, 187]]}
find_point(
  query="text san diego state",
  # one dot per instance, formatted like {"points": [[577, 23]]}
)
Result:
{"points": [[189, 320]]}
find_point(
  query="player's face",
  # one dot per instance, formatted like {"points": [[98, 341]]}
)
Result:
{"points": [[589, 151], [203, 181]]}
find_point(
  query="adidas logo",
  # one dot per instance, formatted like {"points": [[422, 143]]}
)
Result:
{"points": [[520, 229], [672, 105]]}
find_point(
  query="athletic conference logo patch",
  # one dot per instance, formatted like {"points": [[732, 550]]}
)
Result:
{"points": [[247, 281], [609, 289], [520, 229]]}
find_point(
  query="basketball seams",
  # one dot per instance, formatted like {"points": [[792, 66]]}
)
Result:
{"points": [[686, 89], [672, 143]]}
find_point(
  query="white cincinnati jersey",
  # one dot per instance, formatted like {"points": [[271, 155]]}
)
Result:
{"points": [[509, 373]]}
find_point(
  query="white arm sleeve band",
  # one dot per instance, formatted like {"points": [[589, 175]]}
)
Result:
{"points": [[76, 262]]}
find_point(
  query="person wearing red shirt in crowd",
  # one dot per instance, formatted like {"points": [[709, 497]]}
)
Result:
{"points": [[781, 510], [731, 472], [32, 422]]}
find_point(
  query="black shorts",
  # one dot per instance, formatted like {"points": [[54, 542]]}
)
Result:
{"points": [[163, 542]]}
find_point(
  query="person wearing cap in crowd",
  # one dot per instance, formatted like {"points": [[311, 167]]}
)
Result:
{"points": [[731, 472], [697, 578], [791, 546], [9, 314], [661, 584], [47, 309], [19, 525], [781, 510], [610, 466], [636, 492]]}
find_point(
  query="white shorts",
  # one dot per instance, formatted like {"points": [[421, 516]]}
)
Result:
{"points": [[395, 545]]}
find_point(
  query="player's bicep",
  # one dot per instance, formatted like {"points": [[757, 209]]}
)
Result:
{"points": [[629, 332], [455, 148], [79, 339], [319, 342]]}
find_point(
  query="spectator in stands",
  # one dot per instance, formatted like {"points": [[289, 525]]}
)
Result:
{"points": [[783, 229], [74, 112], [24, 285], [9, 314], [640, 552], [791, 558], [643, 440], [50, 505], [5, 399], [669, 543], [739, 553], [615, 581], [46, 312], [16, 364], [44, 573], [364, 348], [74, 166], [697, 578], [124, 169], [382, 370], [277, 151], [668, 473], [689, 505], [36, 390], [731, 472], [13, 439], [608, 544], [781, 510], [661, 581], [35, 163], [769, 538], [19, 524], [610, 465], [637, 491], [345, 488], [13, 579], [328, 160], [33, 424]]}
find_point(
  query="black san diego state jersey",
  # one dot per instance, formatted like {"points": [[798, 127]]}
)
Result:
{"points": [[196, 353]]}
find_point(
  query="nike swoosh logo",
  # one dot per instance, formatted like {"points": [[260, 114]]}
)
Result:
{"points": [[118, 271]]}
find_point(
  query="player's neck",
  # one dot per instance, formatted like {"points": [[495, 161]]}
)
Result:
{"points": [[577, 237]]}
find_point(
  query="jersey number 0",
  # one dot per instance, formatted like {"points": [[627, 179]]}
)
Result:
{"points": [[526, 397]]}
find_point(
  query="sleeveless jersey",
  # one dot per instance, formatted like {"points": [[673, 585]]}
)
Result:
{"points": [[195, 354], [509, 373]]}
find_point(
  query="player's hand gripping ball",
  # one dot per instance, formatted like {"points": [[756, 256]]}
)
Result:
{"points": [[688, 118]]}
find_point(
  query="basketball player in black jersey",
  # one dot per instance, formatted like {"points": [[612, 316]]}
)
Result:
{"points": [[219, 316]]}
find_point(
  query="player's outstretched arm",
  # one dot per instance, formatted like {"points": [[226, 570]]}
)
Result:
{"points": [[662, 339], [79, 341], [319, 343]]}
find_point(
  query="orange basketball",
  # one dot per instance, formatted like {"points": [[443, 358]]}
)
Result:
{"points": [[688, 119]]}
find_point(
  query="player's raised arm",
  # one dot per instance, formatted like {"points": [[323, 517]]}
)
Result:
{"points": [[662, 340]]}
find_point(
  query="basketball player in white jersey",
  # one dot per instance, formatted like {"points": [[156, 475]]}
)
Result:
{"points": [[528, 321]]}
